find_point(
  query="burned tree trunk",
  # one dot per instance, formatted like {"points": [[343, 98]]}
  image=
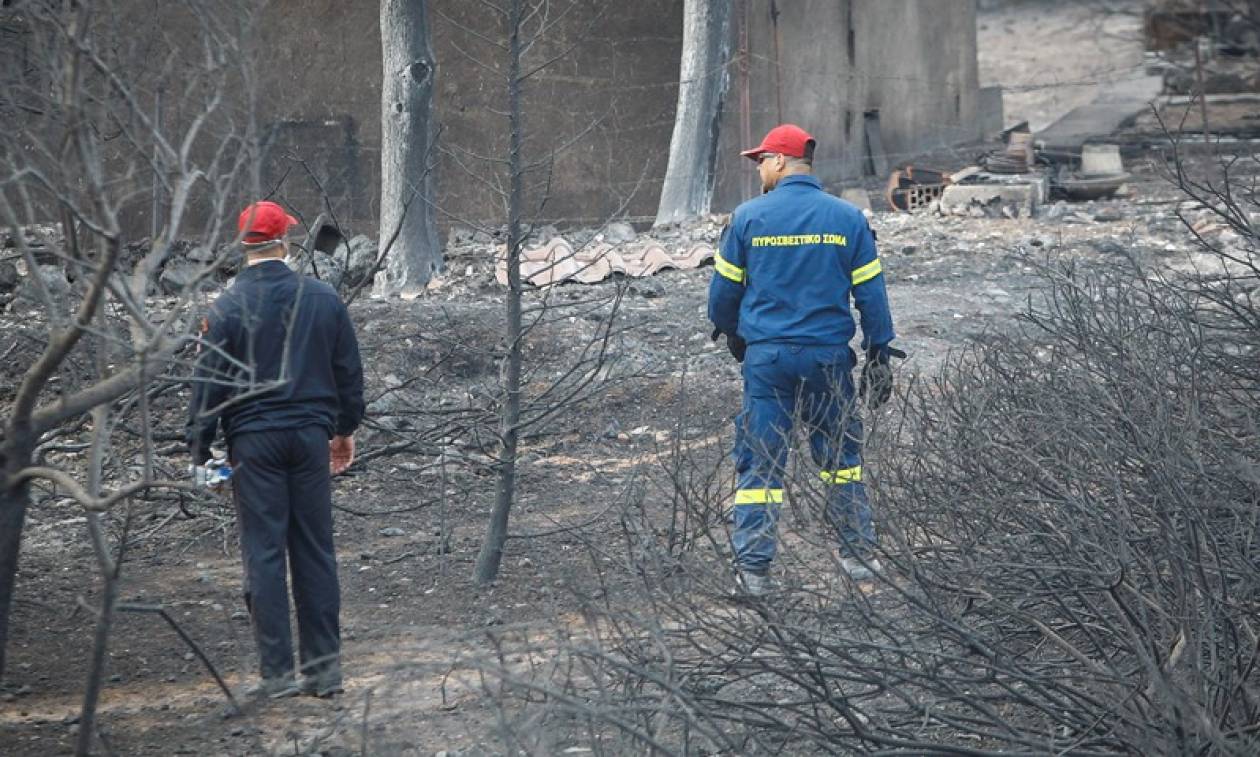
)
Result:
{"points": [[491, 553], [407, 148], [688, 186], [15, 454]]}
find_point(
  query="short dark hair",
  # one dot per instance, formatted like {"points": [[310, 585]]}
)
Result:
{"points": [[807, 159]]}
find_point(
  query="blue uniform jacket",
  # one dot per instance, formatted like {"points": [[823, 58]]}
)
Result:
{"points": [[278, 352], [789, 262]]}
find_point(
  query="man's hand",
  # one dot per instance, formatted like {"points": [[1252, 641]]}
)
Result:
{"points": [[876, 384], [340, 454], [737, 347], [212, 474]]}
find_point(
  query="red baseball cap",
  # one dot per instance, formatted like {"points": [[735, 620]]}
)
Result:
{"points": [[784, 139], [264, 222]]}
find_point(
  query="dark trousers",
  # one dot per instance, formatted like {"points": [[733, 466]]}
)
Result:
{"points": [[281, 483]]}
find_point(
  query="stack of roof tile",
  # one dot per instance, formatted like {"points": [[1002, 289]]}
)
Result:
{"points": [[558, 261]]}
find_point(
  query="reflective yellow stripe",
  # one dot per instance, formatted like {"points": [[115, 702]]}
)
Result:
{"points": [[867, 272], [728, 269], [842, 476], [758, 496]]}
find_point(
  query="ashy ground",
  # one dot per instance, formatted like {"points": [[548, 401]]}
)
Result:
{"points": [[409, 521]]}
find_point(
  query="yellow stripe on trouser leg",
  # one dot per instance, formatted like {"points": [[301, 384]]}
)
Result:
{"points": [[758, 496], [842, 475]]}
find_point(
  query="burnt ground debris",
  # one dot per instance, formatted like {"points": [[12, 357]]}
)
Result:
{"points": [[621, 500], [409, 522]]}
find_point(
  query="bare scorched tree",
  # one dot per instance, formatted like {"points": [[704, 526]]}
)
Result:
{"points": [[82, 126], [527, 23]]}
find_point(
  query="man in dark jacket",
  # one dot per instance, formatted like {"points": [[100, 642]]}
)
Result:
{"points": [[279, 368], [790, 263]]}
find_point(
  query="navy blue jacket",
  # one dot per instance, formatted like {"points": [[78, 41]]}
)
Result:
{"points": [[788, 264], [278, 352]]}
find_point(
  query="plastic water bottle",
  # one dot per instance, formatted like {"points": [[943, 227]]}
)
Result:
{"points": [[219, 473]]}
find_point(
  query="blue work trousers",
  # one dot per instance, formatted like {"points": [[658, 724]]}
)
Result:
{"points": [[784, 383]]}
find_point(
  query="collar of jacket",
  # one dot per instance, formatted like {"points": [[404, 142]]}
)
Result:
{"points": [[265, 269], [799, 178]]}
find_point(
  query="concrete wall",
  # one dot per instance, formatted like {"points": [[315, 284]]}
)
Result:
{"points": [[604, 108], [912, 60], [319, 101]]}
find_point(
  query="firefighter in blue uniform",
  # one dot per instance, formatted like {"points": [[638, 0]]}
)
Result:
{"points": [[279, 368], [790, 262]]}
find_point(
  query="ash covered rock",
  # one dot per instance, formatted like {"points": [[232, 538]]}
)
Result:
{"points": [[619, 232], [8, 277], [322, 266], [54, 281], [361, 258], [177, 276], [543, 234], [43, 241]]}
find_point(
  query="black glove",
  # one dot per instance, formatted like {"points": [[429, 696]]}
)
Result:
{"points": [[736, 345], [876, 384]]}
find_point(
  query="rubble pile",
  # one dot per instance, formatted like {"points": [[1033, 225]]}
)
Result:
{"points": [[1204, 47], [347, 264], [617, 248], [1011, 182], [17, 284], [589, 255]]}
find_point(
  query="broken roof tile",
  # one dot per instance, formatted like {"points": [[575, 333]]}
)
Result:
{"points": [[557, 261]]}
